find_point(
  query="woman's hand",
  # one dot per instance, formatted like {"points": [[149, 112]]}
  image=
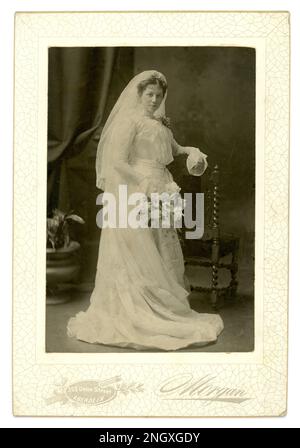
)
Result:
{"points": [[190, 149], [186, 150], [151, 185]]}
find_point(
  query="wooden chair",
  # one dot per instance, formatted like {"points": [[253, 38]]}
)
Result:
{"points": [[213, 246]]}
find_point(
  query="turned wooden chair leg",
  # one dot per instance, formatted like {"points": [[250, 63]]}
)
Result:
{"points": [[214, 292], [215, 251]]}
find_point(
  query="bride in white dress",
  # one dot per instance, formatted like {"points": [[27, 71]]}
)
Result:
{"points": [[140, 298]]}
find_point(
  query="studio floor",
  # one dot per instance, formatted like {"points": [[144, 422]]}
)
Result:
{"points": [[238, 317]]}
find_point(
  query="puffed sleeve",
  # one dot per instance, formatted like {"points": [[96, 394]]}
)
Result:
{"points": [[122, 145]]}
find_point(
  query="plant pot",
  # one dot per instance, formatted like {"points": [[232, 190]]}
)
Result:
{"points": [[62, 270]]}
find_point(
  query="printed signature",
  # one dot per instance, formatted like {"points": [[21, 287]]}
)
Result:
{"points": [[187, 387]]}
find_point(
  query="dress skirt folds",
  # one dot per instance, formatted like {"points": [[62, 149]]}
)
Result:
{"points": [[140, 298]]}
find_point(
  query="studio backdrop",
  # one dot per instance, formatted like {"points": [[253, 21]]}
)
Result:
{"points": [[211, 104]]}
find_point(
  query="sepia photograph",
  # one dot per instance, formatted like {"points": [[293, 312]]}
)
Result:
{"points": [[151, 155], [178, 121]]}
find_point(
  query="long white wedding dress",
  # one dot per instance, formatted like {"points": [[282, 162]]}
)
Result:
{"points": [[140, 298]]}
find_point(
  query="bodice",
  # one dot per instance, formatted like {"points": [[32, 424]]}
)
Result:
{"points": [[152, 141]]}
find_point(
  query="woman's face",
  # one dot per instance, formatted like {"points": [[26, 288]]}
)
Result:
{"points": [[151, 98]]}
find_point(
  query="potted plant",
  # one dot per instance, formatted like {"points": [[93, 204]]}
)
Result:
{"points": [[62, 254]]}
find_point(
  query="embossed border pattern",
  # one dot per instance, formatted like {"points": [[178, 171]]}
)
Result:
{"points": [[139, 389]]}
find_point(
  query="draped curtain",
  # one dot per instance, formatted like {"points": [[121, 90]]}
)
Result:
{"points": [[83, 83]]}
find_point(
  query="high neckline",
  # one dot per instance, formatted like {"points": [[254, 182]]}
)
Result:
{"points": [[152, 117], [144, 113]]}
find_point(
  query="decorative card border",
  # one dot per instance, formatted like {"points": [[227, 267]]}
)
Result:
{"points": [[156, 384]]}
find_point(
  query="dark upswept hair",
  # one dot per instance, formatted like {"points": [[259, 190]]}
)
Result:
{"points": [[153, 79]]}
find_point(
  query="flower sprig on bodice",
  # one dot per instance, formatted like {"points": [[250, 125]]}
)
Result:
{"points": [[166, 121]]}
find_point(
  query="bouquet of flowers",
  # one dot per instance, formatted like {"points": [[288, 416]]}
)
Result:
{"points": [[165, 209]]}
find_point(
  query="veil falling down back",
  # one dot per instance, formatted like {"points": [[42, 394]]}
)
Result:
{"points": [[126, 106], [140, 297]]}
